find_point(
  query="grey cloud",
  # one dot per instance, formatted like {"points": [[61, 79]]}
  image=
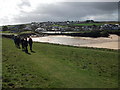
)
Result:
{"points": [[71, 11], [24, 3], [79, 9], [105, 6]]}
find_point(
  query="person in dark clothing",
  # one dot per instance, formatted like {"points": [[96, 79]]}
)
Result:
{"points": [[15, 40], [22, 43], [26, 44], [18, 42], [30, 43]]}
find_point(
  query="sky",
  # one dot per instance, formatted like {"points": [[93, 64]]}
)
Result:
{"points": [[27, 11]]}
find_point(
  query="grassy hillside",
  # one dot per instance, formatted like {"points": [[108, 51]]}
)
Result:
{"points": [[88, 24], [97, 24], [55, 66]]}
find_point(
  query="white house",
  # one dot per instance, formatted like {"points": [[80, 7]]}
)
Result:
{"points": [[40, 30]]}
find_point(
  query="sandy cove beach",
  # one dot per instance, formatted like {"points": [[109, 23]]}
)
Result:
{"points": [[112, 42]]}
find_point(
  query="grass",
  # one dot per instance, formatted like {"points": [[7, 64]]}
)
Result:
{"points": [[5, 32], [56, 66], [60, 25], [97, 24], [26, 32], [89, 24], [0, 62]]}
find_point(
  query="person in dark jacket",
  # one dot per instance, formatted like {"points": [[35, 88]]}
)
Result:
{"points": [[26, 44], [30, 43], [15, 40], [22, 43], [18, 42]]}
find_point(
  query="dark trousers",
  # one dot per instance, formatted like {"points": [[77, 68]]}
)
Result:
{"points": [[18, 45], [23, 47], [26, 50], [30, 46]]}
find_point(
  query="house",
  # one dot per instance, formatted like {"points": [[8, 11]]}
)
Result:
{"points": [[28, 27], [40, 30]]}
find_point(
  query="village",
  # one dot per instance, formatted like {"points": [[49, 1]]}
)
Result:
{"points": [[65, 26], [88, 25]]}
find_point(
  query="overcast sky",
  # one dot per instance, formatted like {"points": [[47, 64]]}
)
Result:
{"points": [[26, 11]]}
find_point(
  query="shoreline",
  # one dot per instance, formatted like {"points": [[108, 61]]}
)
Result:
{"points": [[95, 48], [112, 42]]}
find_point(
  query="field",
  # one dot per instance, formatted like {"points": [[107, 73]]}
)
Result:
{"points": [[97, 24], [57, 66], [60, 25], [89, 24]]}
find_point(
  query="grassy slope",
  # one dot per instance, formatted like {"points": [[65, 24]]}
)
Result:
{"points": [[98, 24], [54, 66], [89, 24]]}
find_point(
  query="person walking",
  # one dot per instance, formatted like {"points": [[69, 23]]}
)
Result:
{"points": [[26, 44], [30, 41], [15, 40], [23, 44], [18, 42]]}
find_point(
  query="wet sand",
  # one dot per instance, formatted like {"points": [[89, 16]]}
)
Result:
{"points": [[112, 42]]}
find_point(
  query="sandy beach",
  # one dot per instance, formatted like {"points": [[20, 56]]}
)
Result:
{"points": [[112, 42]]}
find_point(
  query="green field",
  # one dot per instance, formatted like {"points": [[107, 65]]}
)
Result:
{"points": [[18, 33], [5, 31], [89, 24], [97, 24], [57, 66], [60, 25]]}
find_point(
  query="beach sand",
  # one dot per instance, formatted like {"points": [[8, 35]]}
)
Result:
{"points": [[112, 42], [109, 45]]}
